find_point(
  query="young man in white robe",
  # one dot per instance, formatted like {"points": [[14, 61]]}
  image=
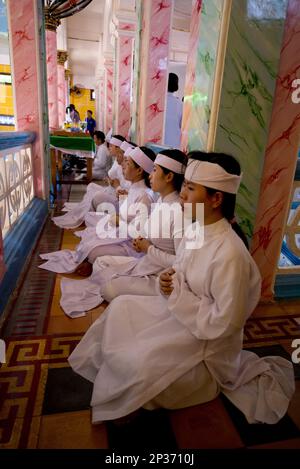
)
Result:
{"points": [[105, 238], [114, 275], [103, 160], [76, 212], [184, 346]]}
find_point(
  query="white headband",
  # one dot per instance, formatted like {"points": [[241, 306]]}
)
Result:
{"points": [[116, 142], [129, 151], [212, 175], [169, 163], [142, 160], [125, 145]]}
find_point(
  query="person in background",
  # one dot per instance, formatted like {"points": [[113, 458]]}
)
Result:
{"points": [[75, 117], [173, 114], [102, 161], [90, 123]]}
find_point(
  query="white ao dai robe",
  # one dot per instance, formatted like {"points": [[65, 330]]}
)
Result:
{"points": [[76, 212], [143, 347], [66, 261], [114, 275]]}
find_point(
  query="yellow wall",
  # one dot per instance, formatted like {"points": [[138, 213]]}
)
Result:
{"points": [[6, 100], [83, 103]]}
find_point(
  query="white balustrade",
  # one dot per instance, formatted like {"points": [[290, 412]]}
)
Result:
{"points": [[292, 235], [16, 184]]}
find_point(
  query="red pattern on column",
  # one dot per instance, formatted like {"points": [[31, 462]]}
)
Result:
{"points": [[125, 49], [61, 90], [51, 48], [156, 29], [108, 93], [191, 71], [280, 159], [24, 39]]}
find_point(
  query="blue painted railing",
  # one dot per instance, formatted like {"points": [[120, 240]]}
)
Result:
{"points": [[15, 139], [21, 238], [287, 285]]}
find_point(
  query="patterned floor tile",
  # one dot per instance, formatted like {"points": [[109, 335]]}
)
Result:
{"points": [[270, 329], [66, 391], [96, 313], [267, 310], [149, 430], [255, 434], [63, 324], [72, 430], [22, 385], [205, 426], [291, 306]]}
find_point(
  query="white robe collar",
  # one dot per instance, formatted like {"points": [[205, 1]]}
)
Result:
{"points": [[217, 228]]}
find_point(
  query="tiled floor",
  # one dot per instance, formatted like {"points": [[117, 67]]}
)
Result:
{"points": [[43, 404]]}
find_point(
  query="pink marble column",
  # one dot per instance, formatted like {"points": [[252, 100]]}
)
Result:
{"points": [[191, 71], [125, 45], [100, 104], [280, 158], [61, 86], [67, 86], [2, 265], [154, 53], [23, 32], [51, 49], [108, 94]]}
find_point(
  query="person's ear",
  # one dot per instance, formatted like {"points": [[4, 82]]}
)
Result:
{"points": [[140, 171], [169, 177], [217, 199]]}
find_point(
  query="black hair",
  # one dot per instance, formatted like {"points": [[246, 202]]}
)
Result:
{"points": [[179, 156], [72, 107], [89, 111], [150, 153], [119, 137], [100, 135], [231, 166], [173, 82]]}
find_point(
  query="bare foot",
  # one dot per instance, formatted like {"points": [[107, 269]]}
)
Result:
{"points": [[85, 269]]}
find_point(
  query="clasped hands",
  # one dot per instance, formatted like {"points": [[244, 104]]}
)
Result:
{"points": [[113, 182], [166, 282], [141, 244]]}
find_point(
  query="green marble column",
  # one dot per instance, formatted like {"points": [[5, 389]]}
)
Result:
{"points": [[251, 67]]}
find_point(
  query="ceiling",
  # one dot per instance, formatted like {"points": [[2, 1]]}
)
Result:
{"points": [[84, 30]]}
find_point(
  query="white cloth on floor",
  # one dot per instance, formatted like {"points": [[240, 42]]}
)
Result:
{"points": [[80, 295], [66, 261], [76, 212], [141, 345]]}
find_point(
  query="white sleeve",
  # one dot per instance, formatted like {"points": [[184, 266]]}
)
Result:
{"points": [[112, 173], [100, 159], [161, 258], [220, 313], [137, 217]]}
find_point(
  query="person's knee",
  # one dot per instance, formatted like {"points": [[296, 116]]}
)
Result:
{"points": [[108, 291]]}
